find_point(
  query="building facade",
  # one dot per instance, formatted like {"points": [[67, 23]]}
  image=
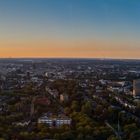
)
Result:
{"points": [[54, 122], [136, 88]]}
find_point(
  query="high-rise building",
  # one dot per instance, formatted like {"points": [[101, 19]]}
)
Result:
{"points": [[136, 88]]}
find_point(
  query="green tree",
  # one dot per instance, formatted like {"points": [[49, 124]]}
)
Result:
{"points": [[57, 136], [88, 137], [87, 108], [67, 136], [135, 135], [112, 138], [75, 106], [80, 136]]}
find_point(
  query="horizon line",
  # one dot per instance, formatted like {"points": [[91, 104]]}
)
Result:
{"points": [[99, 58]]}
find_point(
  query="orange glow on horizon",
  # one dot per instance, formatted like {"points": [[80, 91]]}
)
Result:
{"points": [[74, 49]]}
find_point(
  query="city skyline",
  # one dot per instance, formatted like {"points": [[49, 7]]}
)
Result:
{"points": [[71, 29]]}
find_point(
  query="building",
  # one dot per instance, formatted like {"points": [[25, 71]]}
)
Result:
{"points": [[136, 88], [64, 97], [55, 122], [23, 123], [45, 120], [62, 121]]}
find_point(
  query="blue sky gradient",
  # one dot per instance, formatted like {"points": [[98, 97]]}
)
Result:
{"points": [[105, 20]]}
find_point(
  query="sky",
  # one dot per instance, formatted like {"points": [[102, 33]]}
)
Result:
{"points": [[70, 28]]}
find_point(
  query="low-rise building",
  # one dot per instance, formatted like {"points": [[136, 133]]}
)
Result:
{"points": [[55, 121], [136, 88]]}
